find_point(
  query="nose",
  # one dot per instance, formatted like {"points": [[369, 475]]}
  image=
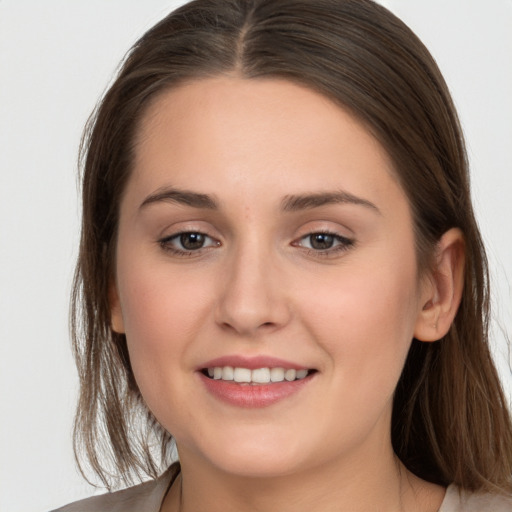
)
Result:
{"points": [[253, 299]]}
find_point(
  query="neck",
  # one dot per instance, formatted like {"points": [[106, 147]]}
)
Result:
{"points": [[383, 485]]}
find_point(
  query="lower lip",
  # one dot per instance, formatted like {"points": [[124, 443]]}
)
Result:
{"points": [[253, 396]]}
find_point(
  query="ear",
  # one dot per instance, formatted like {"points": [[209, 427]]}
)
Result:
{"points": [[442, 288], [116, 313]]}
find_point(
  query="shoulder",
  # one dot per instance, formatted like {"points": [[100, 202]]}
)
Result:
{"points": [[458, 500], [146, 497]]}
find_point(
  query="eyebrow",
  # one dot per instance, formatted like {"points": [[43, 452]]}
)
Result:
{"points": [[308, 201], [185, 197], [291, 203]]}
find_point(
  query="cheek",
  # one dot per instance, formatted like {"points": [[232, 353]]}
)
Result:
{"points": [[157, 312], [162, 313], [366, 323]]}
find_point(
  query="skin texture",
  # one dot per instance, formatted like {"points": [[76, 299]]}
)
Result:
{"points": [[258, 287]]}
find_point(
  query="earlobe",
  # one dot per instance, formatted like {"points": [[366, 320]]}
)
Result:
{"points": [[442, 291], [116, 313]]}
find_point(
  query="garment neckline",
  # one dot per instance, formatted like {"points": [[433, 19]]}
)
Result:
{"points": [[168, 478], [449, 495]]}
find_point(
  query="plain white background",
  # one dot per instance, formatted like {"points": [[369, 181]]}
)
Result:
{"points": [[56, 58]]}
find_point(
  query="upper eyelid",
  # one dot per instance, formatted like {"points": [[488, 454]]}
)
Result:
{"points": [[330, 232], [177, 231], [300, 237], [326, 223], [324, 232]]}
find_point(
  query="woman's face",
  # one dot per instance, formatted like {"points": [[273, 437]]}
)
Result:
{"points": [[263, 231]]}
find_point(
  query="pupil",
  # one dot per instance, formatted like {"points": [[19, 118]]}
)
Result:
{"points": [[321, 241], [192, 241]]}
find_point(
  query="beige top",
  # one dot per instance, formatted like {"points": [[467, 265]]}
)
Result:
{"points": [[148, 497]]}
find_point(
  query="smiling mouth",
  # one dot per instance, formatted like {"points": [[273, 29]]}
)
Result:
{"points": [[257, 376]]}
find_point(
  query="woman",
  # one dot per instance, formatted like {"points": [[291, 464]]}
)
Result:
{"points": [[280, 271]]}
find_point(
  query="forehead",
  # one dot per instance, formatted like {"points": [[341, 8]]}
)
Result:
{"points": [[256, 135]]}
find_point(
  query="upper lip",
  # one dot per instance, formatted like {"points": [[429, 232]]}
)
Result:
{"points": [[252, 363]]}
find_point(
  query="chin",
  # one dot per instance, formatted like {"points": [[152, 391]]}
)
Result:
{"points": [[245, 466], [254, 455]]}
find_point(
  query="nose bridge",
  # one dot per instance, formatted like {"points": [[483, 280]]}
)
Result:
{"points": [[252, 296]]}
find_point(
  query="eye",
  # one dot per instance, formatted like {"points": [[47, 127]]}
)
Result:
{"points": [[320, 241], [187, 242], [324, 243]]}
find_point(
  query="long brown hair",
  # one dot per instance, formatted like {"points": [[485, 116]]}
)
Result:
{"points": [[450, 418]]}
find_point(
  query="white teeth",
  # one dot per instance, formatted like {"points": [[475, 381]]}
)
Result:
{"points": [[290, 375], [227, 373], [261, 376], [258, 376], [301, 374], [242, 375], [277, 374]]}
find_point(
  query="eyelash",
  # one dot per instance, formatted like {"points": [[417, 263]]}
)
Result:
{"points": [[166, 244], [344, 244]]}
